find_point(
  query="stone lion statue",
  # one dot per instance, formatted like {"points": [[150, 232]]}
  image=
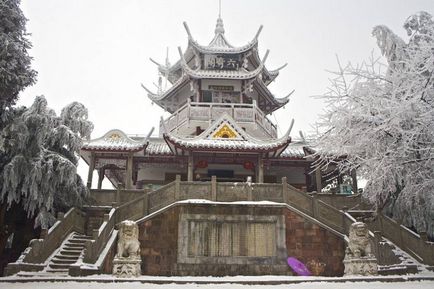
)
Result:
{"points": [[128, 243], [359, 245]]}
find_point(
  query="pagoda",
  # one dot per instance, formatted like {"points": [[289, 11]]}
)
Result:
{"points": [[218, 192], [219, 103]]}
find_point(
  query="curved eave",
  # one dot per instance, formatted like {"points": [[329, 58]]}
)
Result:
{"points": [[226, 50], [276, 102], [218, 74], [177, 85], [274, 148], [115, 140], [178, 147], [114, 150]]}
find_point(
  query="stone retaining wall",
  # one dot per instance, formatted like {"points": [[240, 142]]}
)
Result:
{"points": [[165, 253]]}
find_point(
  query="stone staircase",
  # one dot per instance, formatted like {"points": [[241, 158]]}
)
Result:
{"points": [[66, 255]]}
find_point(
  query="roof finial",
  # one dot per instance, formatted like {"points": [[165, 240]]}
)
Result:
{"points": [[219, 26]]}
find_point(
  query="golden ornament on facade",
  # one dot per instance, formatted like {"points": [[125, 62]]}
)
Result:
{"points": [[225, 132], [115, 136]]}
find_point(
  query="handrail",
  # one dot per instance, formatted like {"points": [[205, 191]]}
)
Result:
{"points": [[100, 236], [258, 116], [326, 214], [417, 245], [41, 249], [125, 210]]}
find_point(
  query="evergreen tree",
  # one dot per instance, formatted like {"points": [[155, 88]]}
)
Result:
{"points": [[15, 71], [39, 151], [383, 122]]}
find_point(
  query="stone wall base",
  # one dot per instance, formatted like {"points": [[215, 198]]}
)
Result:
{"points": [[365, 266], [231, 269], [126, 267]]}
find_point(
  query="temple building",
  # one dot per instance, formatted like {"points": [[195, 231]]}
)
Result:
{"points": [[218, 192], [219, 126]]}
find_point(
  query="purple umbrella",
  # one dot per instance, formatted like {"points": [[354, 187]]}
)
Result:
{"points": [[298, 267]]}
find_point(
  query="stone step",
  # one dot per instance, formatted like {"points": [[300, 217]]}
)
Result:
{"points": [[62, 256], [55, 260], [70, 254], [58, 266], [62, 272], [78, 241], [79, 236], [75, 249], [53, 273], [74, 245]]}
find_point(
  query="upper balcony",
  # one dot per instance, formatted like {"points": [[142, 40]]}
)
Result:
{"points": [[247, 115]]}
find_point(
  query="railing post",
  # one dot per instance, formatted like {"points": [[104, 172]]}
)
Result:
{"points": [[401, 240], [314, 207], [43, 234], [377, 240], [60, 216], [285, 190], [118, 195], [344, 221], [145, 205], [177, 186], [213, 188], [250, 193], [95, 233]]}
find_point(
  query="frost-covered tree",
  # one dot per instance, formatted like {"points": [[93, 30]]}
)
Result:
{"points": [[381, 118], [15, 71], [42, 149]]}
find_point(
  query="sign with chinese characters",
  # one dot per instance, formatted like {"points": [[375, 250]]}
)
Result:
{"points": [[222, 62], [221, 87]]}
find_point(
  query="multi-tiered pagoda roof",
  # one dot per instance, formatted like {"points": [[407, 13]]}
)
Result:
{"points": [[240, 63]]}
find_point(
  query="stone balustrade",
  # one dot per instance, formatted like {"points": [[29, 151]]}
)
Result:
{"points": [[35, 256], [200, 111], [338, 220], [150, 202]]}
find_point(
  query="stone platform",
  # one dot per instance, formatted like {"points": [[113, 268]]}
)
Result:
{"points": [[244, 280]]}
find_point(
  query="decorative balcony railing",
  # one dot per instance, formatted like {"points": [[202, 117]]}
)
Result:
{"points": [[203, 111]]}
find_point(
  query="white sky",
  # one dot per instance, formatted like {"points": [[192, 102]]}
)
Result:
{"points": [[96, 52]]}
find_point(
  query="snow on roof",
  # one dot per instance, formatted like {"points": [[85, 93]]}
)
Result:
{"points": [[114, 140], [243, 141], [294, 150], [219, 44], [158, 147], [222, 74]]}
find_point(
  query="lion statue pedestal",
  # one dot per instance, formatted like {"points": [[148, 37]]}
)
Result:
{"points": [[359, 259], [127, 260]]}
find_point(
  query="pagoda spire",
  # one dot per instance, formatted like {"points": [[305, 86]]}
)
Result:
{"points": [[219, 28]]}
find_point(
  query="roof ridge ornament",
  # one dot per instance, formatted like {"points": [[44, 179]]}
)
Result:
{"points": [[219, 28], [188, 30]]}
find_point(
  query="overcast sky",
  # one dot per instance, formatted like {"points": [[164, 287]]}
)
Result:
{"points": [[97, 51]]}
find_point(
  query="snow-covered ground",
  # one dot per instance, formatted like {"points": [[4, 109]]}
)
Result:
{"points": [[138, 285]]}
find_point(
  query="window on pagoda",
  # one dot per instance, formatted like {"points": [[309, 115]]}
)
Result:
{"points": [[221, 94]]}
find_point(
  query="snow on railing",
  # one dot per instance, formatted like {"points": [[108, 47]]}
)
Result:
{"points": [[204, 111]]}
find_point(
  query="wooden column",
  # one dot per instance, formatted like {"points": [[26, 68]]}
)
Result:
{"points": [[91, 168], [318, 180], [100, 177], [190, 168], [354, 178], [260, 170], [129, 173]]}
